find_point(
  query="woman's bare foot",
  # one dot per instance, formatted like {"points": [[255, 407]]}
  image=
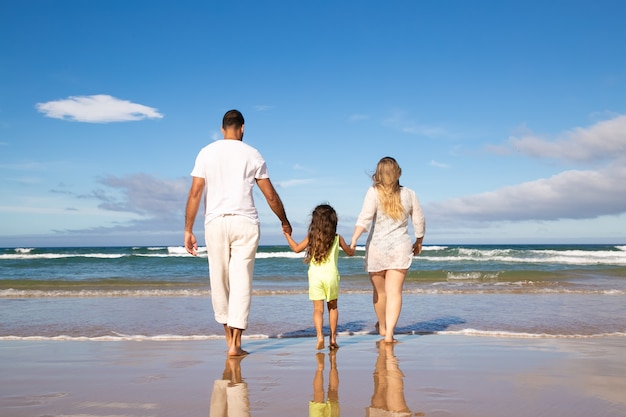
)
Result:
{"points": [[320, 344], [378, 329], [332, 342]]}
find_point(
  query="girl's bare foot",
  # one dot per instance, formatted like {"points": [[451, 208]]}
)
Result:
{"points": [[378, 330]]}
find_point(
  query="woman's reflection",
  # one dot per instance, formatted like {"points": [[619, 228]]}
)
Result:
{"points": [[319, 407], [388, 397], [230, 394]]}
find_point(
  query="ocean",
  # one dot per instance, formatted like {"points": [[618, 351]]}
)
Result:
{"points": [[162, 293]]}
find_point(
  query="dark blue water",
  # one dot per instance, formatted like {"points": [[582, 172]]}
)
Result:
{"points": [[162, 292]]}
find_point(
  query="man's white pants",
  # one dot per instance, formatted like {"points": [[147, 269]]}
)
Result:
{"points": [[231, 243]]}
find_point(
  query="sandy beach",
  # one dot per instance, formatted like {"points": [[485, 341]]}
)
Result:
{"points": [[432, 375]]}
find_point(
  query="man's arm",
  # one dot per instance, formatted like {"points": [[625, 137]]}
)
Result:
{"points": [[268, 190], [193, 203]]}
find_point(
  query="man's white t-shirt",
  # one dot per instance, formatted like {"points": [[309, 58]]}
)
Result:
{"points": [[230, 169]]}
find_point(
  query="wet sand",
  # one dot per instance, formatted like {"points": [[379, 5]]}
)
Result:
{"points": [[433, 375]]}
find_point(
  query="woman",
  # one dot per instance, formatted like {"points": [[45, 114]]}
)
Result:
{"points": [[388, 252]]}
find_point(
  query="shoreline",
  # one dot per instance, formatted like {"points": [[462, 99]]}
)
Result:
{"points": [[431, 375]]}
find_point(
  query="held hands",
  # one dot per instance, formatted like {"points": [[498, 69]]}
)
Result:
{"points": [[286, 229], [353, 242], [287, 233], [358, 231]]}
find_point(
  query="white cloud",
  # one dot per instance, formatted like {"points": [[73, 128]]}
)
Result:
{"points": [[605, 140], [567, 195], [144, 194], [98, 108], [572, 194]]}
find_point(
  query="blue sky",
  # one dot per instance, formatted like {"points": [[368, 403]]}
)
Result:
{"points": [[507, 118]]}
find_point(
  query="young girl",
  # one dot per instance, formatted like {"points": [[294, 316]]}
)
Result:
{"points": [[322, 252]]}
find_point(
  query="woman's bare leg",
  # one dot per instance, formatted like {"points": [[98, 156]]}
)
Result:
{"points": [[394, 281], [380, 300]]}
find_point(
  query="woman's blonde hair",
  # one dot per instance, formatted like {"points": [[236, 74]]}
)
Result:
{"points": [[387, 184], [322, 231]]}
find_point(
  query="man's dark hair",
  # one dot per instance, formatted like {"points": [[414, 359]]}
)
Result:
{"points": [[232, 118]]}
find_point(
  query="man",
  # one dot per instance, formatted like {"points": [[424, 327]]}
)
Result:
{"points": [[225, 171]]}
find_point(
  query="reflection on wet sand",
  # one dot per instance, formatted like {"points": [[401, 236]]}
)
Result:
{"points": [[321, 405], [388, 397], [230, 394]]}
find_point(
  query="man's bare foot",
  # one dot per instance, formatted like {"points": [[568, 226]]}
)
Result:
{"points": [[236, 352], [320, 344]]}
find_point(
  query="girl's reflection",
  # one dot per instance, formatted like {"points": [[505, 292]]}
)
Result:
{"points": [[319, 407], [388, 397], [230, 394]]}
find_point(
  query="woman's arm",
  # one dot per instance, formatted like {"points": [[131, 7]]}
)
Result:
{"points": [[419, 224], [358, 231], [364, 220]]}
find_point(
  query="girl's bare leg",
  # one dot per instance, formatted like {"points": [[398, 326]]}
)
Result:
{"points": [[318, 321], [333, 318], [380, 300], [394, 280]]}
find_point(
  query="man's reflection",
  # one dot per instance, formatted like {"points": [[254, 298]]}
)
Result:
{"points": [[319, 406], [230, 394], [388, 397]]}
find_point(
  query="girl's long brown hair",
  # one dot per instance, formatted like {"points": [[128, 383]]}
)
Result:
{"points": [[387, 184], [322, 231]]}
